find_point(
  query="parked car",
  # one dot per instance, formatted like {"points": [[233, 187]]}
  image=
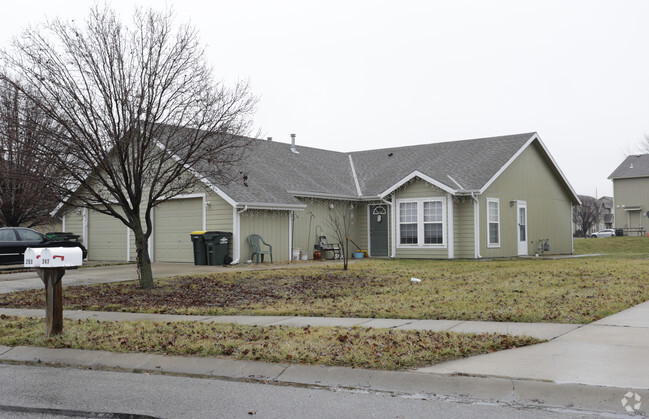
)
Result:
{"points": [[607, 232], [14, 241]]}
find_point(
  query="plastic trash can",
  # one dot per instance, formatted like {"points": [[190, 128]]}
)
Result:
{"points": [[200, 251], [216, 243]]}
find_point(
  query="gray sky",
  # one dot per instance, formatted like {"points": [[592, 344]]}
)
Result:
{"points": [[354, 75]]}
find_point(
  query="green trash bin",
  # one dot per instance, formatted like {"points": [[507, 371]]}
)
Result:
{"points": [[200, 251], [216, 243]]}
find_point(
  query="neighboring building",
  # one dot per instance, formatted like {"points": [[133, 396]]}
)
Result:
{"points": [[608, 211], [491, 197], [631, 193], [605, 205]]}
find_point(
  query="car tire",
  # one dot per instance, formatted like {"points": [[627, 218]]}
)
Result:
{"points": [[594, 236]]}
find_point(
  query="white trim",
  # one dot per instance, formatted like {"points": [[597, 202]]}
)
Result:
{"points": [[451, 229], [393, 213], [476, 227], [151, 240], [358, 186], [536, 137], [84, 228], [420, 175], [128, 244], [63, 223], [420, 223], [489, 244], [525, 252], [456, 182]]}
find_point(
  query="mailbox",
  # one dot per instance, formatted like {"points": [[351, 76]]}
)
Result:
{"points": [[61, 257], [33, 257]]}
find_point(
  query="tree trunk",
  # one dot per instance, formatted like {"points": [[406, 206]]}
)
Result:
{"points": [[145, 274]]}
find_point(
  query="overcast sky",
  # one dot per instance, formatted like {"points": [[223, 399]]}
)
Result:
{"points": [[356, 75]]}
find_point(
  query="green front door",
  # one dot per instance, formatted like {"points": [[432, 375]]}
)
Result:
{"points": [[379, 230]]}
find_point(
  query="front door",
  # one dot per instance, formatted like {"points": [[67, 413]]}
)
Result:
{"points": [[379, 230], [522, 228]]}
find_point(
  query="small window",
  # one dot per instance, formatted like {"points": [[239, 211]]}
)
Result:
{"points": [[493, 222]]}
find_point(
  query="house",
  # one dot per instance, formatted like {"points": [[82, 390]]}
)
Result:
{"points": [[631, 194], [489, 197]]}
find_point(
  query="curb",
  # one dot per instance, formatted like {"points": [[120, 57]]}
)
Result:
{"points": [[511, 391]]}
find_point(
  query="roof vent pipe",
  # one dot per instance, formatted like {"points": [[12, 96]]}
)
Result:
{"points": [[293, 149]]}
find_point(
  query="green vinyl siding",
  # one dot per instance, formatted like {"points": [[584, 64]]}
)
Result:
{"points": [[74, 223], [463, 226], [530, 178], [315, 221], [631, 193], [272, 226], [420, 189]]}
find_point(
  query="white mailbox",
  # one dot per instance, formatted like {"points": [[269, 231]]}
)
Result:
{"points": [[61, 257], [33, 257]]}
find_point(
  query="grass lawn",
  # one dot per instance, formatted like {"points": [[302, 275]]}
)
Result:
{"points": [[352, 347], [578, 290]]}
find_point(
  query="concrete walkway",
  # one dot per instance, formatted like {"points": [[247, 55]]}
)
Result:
{"points": [[612, 352], [544, 331]]}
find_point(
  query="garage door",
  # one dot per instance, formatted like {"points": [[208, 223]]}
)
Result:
{"points": [[173, 221], [106, 237]]}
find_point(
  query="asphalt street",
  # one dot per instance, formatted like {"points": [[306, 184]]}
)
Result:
{"points": [[35, 391]]}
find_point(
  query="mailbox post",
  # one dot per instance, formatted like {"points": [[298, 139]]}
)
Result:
{"points": [[50, 263]]}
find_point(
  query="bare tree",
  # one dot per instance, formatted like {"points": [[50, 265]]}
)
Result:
{"points": [[138, 113], [25, 199], [588, 214], [340, 222]]}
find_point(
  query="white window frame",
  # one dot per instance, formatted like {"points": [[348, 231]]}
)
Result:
{"points": [[420, 223], [489, 243]]}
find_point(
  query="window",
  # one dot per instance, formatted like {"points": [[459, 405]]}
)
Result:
{"points": [[493, 222], [408, 222], [433, 218], [422, 222]]}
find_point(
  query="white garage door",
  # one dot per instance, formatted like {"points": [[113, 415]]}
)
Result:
{"points": [[173, 221], [106, 237]]}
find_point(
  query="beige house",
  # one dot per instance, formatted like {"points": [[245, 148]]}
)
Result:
{"points": [[631, 194], [491, 197]]}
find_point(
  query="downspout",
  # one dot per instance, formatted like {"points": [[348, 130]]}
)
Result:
{"points": [[476, 225], [236, 246]]}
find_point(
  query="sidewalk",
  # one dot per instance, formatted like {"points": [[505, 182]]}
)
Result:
{"points": [[588, 367]]}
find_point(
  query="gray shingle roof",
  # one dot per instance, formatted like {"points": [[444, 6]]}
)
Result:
{"points": [[471, 163], [275, 175], [636, 165]]}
